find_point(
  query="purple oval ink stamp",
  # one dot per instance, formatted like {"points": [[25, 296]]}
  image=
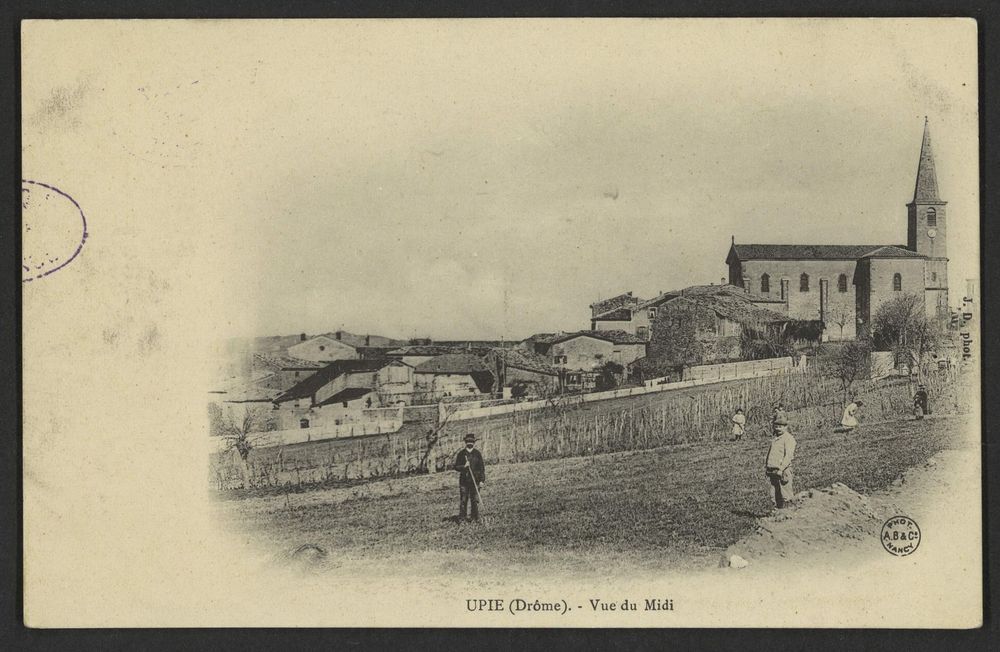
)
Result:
{"points": [[53, 229]]}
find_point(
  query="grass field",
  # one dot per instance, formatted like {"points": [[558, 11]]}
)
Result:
{"points": [[677, 505]]}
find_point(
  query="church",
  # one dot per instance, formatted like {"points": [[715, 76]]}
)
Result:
{"points": [[843, 285]]}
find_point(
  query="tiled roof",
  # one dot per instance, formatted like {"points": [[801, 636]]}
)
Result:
{"points": [[278, 362], [452, 363], [544, 338], [349, 394], [801, 252], [435, 349], [352, 339], [613, 336], [619, 314], [251, 390], [736, 308], [659, 299], [890, 251], [333, 370], [621, 301], [474, 344], [524, 360]]}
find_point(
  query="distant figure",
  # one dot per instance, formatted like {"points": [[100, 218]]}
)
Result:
{"points": [[850, 420], [472, 475], [778, 464], [739, 424], [920, 402]]}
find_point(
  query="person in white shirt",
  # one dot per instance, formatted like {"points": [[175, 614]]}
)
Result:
{"points": [[850, 420], [739, 424], [778, 464]]}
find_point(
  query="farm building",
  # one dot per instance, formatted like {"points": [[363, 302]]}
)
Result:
{"points": [[704, 328], [345, 387], [453, 374], [579, 356], [524, 372], [636, 316]]}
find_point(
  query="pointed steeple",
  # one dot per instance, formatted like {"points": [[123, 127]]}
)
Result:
{"points": [[927, 188]]}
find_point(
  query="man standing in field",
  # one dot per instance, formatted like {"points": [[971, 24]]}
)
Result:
{"points": [[472, 475], [778, 465]]}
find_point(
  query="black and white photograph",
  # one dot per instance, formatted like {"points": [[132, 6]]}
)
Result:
{"points": [[502, 323]]}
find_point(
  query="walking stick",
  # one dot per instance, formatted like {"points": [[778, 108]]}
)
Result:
{"points": [[475, 484]]}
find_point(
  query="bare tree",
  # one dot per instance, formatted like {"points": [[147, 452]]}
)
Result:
{"points": [[242, 430], [841, 315], [851, 364]]}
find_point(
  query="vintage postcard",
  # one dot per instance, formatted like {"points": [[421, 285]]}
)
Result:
{"points": [[501, 323]]}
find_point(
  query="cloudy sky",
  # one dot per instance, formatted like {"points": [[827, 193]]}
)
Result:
{"points": [[492, 178]]}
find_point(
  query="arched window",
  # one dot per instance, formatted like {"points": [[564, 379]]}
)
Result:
{"points": [[842, 283], [765, 283], [897, 283], [931, 217], [804, 283]]}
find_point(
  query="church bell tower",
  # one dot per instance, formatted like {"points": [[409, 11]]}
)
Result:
{"points": [[927, 230]]}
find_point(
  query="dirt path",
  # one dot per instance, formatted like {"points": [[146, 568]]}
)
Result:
{"points": [[837, 524]]}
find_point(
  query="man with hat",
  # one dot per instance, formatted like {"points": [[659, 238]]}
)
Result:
{"points": [[778, 464], [471, 476]]}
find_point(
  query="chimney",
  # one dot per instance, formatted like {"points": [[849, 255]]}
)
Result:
{"points": [[368, 340], [302, 337], [339, 335]]}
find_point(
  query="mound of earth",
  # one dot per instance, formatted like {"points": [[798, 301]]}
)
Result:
{"points": [[819, 520]]}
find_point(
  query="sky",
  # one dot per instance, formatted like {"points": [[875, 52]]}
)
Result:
{"points": [[491, 178]]}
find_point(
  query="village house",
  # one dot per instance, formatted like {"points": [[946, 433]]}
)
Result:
{"points": [[282, 372], [341, 390], [523, 371], [706, 328], [451, 375], [415, 355], [322, 348], [636, 316], [579, 356]]}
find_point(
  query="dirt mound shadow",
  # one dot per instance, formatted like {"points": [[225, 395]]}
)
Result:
{"points": [[823, 521]]}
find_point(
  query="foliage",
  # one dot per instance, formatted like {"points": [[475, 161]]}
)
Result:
{"points": [[901, 325], [810, 330], [764, 343], [609, 375], [519, 389], [649, 367], [851, 364]]}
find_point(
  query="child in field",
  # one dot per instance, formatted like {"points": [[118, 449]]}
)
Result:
{"points": [[850, 420], [739, 424]]}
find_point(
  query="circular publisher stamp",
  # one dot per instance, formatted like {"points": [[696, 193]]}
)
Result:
{"points": [[900, 536], [53, 229]]}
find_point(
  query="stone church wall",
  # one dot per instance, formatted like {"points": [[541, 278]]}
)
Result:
{"points": [[806, 305]]}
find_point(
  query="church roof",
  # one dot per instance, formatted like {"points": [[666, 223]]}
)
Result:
{"points": [[802, 252], [890, 251], [926, 189]]}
